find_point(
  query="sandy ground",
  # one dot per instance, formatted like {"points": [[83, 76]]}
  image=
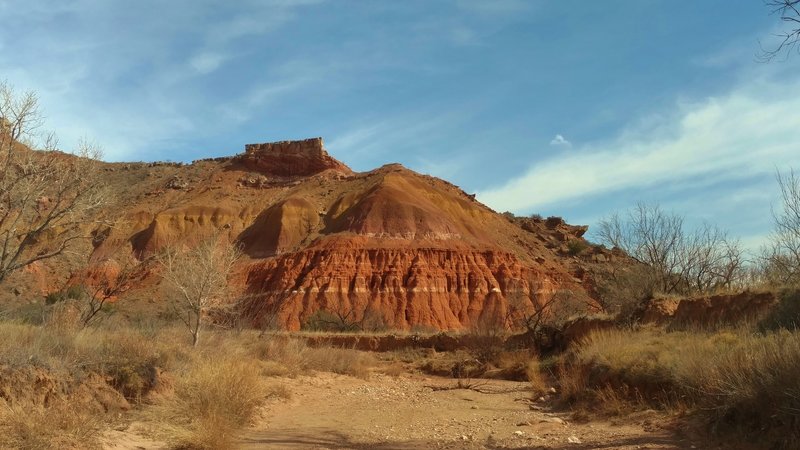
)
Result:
{"points": [[329, 411], [411, 411]]}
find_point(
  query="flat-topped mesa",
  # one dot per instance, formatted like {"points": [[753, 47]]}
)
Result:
{"points": [[290, 158]]}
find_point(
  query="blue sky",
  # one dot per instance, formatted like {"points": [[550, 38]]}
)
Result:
{"points": [[571, 108]]}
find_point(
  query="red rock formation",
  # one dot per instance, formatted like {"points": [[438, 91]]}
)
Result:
{"points": [[444, 288], [280, 228], [710, 310], [407, 249], [290, 158]]}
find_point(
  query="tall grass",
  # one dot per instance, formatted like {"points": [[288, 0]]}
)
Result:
{"points": [[213, 399], [297, 357], [62, 424], [737, 380]]}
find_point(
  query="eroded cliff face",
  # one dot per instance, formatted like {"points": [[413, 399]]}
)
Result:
{"points": [[400, 288], [402, 249], [290, 158]]}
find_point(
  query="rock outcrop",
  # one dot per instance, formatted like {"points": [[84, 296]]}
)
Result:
{"points": [[290, 158], [401, 249], [400, 288], [708, 310]]}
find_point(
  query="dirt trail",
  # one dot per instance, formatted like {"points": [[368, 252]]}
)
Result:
{"points": [[414, 412]]}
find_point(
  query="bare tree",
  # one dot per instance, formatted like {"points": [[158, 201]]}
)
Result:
{"points": [[677, 261], [783, 255], [789, 11], [650, 236], [527, 313], [105, 281], [198, 277], [710, 260], [45, 196]]}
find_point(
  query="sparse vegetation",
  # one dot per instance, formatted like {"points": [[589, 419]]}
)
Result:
{"points": [[45, 194], [781, 260], [195, 399], [737, 380], [198, 277], [576, 247], [679, 261]]}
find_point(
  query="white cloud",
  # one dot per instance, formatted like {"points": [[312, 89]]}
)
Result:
{"points": [[560, 141], [207, 62], [749, 131], [370, 143]]}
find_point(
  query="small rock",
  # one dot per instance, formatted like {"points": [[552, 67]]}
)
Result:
{"points": [[553, 420], [177, 182], [573, 440], [523, 424], [552, 390], [474, 407], [519, 433]]}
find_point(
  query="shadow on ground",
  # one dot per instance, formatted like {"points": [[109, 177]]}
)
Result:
{"points": [[332, 439]]}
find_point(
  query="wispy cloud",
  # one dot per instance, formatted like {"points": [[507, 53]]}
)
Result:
{"points": [[560, 141], [748, 131], [261, 19], [133, 88], [207, 62], [382, 141]]}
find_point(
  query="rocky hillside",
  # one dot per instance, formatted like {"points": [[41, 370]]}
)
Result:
{"points": [[406, 249]]}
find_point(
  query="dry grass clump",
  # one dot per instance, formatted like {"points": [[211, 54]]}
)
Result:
{"points": [[753, 388], [736, 379], [61, 424], [213, 399], [128, 359], [297, 357], [537, 379], [341, 360]]}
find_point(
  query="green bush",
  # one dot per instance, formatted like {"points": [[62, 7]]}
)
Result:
{"points": [[74, 292], [576, 247]]}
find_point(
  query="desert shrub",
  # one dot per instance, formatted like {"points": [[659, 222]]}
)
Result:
{"points": [[510, 365], [538, 380], [28, 312], [291, 354], [554, 221], [737, 380], [324, 320], [637, 365], [74, 292], [576, 247], [25, 344], [213, 399], [340, 360], [623, 290], [786, 314], [127, 358], [59, 425], [63, 316], [753, 388], [424, 330], [297, 357], [536, 217]]}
